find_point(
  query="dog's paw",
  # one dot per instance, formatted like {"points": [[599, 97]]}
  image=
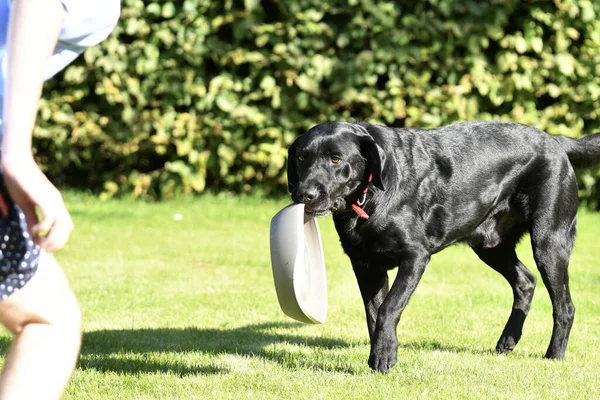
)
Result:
{"points": [[384, 356], [506, 344], [554, 354]]}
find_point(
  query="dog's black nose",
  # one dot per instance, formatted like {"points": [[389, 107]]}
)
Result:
{"points": [[308, 195]]}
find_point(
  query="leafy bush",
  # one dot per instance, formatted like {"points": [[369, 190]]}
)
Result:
{"points": [[201, 94]]}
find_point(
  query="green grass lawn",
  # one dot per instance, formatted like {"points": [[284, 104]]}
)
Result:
{"points": [[186, 308]]}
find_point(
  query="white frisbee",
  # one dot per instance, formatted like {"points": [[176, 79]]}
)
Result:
{"points": [[298, 265]]}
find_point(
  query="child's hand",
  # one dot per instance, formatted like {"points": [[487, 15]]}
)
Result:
{"points": [[33, 192]]}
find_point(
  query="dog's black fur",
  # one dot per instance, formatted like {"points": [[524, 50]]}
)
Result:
{"points": [[482, 183]]}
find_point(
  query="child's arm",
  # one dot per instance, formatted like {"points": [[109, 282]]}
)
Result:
{"points": [[34, 27]]}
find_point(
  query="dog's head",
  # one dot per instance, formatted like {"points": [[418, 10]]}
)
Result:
{"points": [[329, 164]]}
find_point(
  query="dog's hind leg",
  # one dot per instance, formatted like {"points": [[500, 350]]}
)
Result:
{"points": [[553, 201], [503, 259], [551, 251]]}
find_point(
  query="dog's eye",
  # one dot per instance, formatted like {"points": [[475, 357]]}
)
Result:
{"points": [[301, 158], [335, 159]]}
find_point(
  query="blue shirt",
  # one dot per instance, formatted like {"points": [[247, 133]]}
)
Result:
{"points": [[86, 23]]}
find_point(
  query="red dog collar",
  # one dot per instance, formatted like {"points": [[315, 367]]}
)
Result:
{"points": [[357, 207]]}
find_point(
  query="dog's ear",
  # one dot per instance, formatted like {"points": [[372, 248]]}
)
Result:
{"points": [[292, 170], [375, 159]]}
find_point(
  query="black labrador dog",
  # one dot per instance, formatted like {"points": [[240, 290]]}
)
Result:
{"points": [[400, 195]]}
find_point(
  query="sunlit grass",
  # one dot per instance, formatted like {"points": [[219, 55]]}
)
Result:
{"points": [[178, 302]]}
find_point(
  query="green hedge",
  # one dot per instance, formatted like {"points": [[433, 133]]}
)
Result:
{"points": [[198, 94]]}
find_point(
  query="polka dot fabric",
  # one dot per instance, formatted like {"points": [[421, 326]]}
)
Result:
{"points": [[19, 256]]}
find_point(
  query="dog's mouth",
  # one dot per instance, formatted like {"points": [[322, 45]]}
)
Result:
{"points": [[315, 213], [321, 210]]}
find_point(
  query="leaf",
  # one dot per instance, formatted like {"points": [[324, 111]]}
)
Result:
{"points": [[565, 63], [520, 44], [168, 10], [268, 84], [226, 102], [251, 5], [307, 84], [537, 44], [153, 9]]}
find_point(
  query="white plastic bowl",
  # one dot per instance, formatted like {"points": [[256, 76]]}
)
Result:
{"points": [[298, 265]]}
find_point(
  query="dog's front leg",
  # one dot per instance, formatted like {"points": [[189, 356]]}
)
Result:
{"points": [[384, 342], [374, 287]]}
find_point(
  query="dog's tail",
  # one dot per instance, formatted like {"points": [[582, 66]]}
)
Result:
{"points": [[584, 152]]}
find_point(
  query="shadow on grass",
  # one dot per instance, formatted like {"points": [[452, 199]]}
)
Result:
{"points": [[429, 346], [163, 349]]}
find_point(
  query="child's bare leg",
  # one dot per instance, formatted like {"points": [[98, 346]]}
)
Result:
{"points": [[45, 318]]}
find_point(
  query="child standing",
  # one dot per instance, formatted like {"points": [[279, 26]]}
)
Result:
{"points": [[38, 38]]}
